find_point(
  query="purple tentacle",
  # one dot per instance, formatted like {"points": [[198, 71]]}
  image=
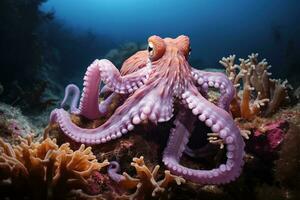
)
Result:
{"points": [[89, 103], [217, 80], [221, 123], [72, 90], [113, 169], [113, 98], [104, 70], [105, 91], [145, 103]]}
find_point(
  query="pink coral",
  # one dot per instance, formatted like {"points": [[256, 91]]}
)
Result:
{"points": [[267, 139]]}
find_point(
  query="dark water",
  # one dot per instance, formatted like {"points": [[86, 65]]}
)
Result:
{"points": [[216, 28], [54, 41]]}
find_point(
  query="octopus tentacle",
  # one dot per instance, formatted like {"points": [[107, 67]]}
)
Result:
{"points": [[220, 122], [122, 84], [73, 91], [114, 128], [144, 104], [105, 105], [106, 71], [112, 171], [217, 80], [105, 91]]}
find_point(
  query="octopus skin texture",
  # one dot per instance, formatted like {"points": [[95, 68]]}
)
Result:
{"points": [[152, 82]]}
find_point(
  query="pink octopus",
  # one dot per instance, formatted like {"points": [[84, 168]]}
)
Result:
{"points": [[152, 82]]}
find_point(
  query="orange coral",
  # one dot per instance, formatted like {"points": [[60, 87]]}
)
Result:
{"points": [[146, 183], [46, 169], [258, 94]]}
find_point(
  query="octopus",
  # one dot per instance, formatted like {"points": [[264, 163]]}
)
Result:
{"points": [[154, 82]]}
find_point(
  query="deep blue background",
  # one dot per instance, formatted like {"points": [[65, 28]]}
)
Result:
{"points": [[216, 28]]}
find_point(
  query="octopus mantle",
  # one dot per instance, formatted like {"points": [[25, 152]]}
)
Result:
{"points": [[151, 81]]}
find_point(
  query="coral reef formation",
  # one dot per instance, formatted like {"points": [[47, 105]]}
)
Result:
{"points": [[158, 80], [259, 94], [45, 170], [145, 185]]}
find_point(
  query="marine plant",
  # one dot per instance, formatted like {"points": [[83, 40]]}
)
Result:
{"points": [[257, 93]]}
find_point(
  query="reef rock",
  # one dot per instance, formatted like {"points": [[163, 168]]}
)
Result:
{"points": [[14, 123]]}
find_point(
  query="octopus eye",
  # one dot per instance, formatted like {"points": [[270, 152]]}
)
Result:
{"points": [[150, 48], [190, 51]]}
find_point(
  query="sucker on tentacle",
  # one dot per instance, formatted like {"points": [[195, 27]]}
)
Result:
{"points": [[228, 132], [217, 80], [106, 71], [153, 83]]}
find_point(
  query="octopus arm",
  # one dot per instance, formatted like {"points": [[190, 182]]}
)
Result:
{"points": [[114, 128], [143, 104], [71, 91], [104, 70], [216, 80], [122, 84], [221, 123]]}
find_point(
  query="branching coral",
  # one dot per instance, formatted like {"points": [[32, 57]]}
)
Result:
{"points": [[53, 169], [258, 94], [145, 184]]}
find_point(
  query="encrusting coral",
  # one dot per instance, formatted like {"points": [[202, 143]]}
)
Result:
{"points": [[145, 185], [45, 170], [258, 94]]}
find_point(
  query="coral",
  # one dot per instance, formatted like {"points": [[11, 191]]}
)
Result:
{"points": [[257, 93], [274, 132], [268, 138], [54, 170], [145, 185]]}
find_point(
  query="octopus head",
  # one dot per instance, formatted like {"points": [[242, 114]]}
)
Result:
{"points": [[169, 59], [169, 49]]}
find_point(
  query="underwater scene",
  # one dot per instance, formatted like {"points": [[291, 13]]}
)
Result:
{"points": [[150, 99]]}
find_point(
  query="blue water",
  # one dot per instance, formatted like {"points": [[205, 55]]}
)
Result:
{"points": [[216, 28]]}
